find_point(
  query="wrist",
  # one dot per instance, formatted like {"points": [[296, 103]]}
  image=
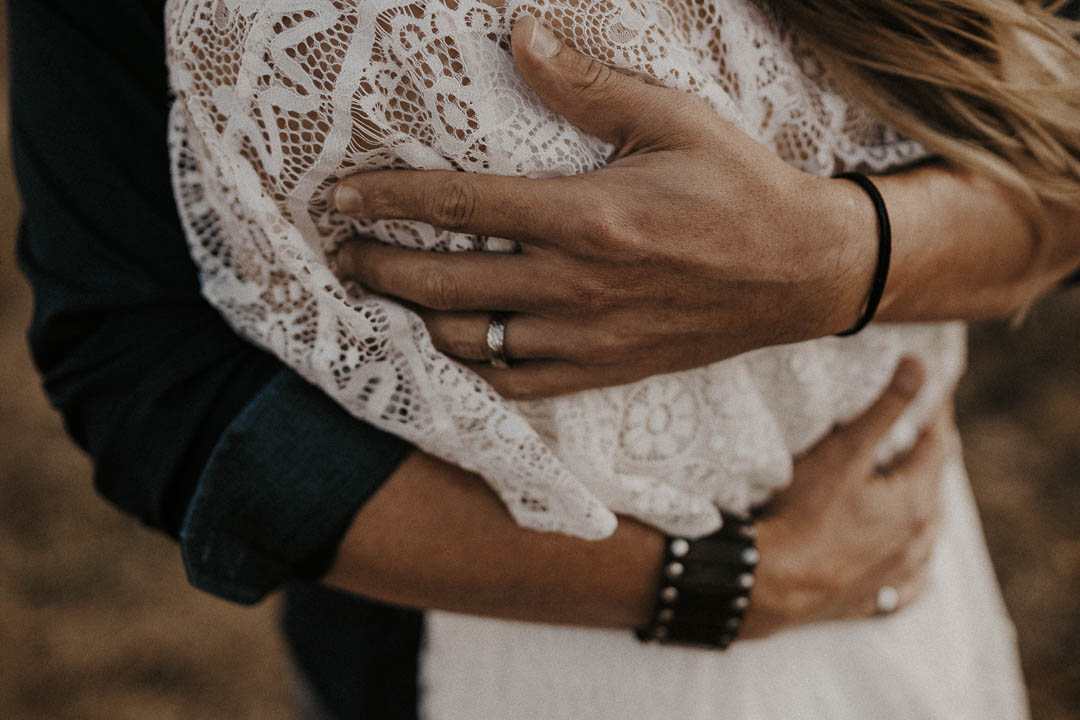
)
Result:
{"points": [[783, 597], [843, 250]]}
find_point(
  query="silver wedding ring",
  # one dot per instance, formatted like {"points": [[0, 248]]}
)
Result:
{"points": [[496, 340], [888, 600]]}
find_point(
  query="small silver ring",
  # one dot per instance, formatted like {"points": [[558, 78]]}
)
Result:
{"points": [[888, 600], [496, 340]]}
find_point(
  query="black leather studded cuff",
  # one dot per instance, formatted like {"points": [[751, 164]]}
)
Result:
{"points": [[705, 587]]}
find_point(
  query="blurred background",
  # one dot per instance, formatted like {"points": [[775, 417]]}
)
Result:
{"points": [[97, 621]]}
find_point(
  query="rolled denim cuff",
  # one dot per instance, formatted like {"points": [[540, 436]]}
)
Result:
{"points": [[280, 489]]}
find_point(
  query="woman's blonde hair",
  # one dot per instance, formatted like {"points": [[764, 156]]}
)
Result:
{"points": [[993, 85]]}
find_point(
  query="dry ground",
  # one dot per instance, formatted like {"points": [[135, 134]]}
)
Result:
{"points": [[96, 621]]}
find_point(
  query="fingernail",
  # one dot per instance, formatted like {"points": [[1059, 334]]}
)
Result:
{"points": [[541, 41], [909, 376], [348, 199]]}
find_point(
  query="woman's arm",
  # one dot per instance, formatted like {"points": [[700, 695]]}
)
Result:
{"points": [[966, 247], [827, 545]]}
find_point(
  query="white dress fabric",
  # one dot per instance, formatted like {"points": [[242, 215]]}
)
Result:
{"points": [[951, 655], [277, 100]]}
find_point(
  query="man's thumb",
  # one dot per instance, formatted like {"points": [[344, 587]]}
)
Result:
{"points": [[601, 101]]}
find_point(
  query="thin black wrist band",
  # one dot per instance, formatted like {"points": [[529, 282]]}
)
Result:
{"points": [[881, 272]]}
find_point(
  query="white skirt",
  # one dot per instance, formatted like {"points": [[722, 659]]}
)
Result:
{"points": [[950, 655]]}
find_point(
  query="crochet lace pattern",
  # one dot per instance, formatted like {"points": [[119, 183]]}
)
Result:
{"points": [[277, 100]]}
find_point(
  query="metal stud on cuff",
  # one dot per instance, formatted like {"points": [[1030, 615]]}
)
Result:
{"points": [[679, 547], [706, 587]]}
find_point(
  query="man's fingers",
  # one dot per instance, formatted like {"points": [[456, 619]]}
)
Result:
{"points": [[918, 476], [861, 437], [537, 379], [920, 550], [534, 211], [614, 107], [926, 459], [448, 281]]}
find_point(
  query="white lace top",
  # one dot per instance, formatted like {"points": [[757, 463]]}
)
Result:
{"points": [[279, 99]]}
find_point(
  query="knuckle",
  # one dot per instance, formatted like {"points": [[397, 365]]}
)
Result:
{"points": [[897, 563], [608, 348], [472, 349], [450, 205], [606, 226], [926, 512], [917, 528], [590, 76], [447, 341], [591, 296], [921, 509], [379, 201], [373, 276], [919, 556], [440, 290]]}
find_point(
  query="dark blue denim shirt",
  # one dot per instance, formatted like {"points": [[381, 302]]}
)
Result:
{"points": [[191, 428]]}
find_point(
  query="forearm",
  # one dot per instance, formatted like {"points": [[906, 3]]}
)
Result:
{"points": [[964, 247], [436, 537]]}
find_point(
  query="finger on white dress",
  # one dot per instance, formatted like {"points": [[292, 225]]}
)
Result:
{"points": [[448, 281], [528, 210], [613, 106], [864, 433], [918, 476], [920, 550]]}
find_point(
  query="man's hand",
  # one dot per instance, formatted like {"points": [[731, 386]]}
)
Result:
{"points": [[695, 244], [844, 529]]}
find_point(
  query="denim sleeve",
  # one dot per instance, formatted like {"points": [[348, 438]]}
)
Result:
{"points": [[168, 401], [279, 489]]}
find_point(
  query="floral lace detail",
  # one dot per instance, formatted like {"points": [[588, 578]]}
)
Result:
{"points": [[277, 100], [660, 421]]}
